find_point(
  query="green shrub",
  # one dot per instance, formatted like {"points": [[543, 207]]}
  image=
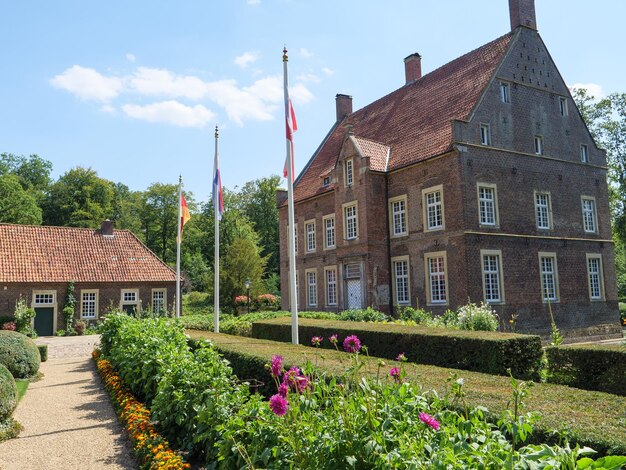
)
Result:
{"points": [[480, 317], [43, 352], [24, 317], [479, 351], [367, 314], [589, 367], [8, 394], [19, 354]]}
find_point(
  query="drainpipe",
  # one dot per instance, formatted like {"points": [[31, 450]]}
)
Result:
{"points": [[390, 277]]}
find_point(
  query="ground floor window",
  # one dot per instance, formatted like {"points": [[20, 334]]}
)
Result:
{"points": [[595, 276], [311, 280], [130, 300], [331, 286], [89, 304], [436, 277], [492, 275], [159, 300], [549, 277], [401, 280]]}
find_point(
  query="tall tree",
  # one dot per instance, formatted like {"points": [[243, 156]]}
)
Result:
{"points": [[127, 209], [79, 198], [243, 261], [17, 206], [33, 173]]}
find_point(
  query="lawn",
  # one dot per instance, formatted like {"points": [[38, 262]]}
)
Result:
{"points": [[22, 386]]}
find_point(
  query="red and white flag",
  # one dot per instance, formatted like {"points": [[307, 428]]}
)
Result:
{"points": [[291, 127]]}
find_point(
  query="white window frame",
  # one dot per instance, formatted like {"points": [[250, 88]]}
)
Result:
{"points": [[490, 273], [52, 304], [402, 215], [311, 287], [309, 233], [563, 106], [600, 277], [137, 301], [485, 134], [330, 302], [349, 172], [328, 230], [539, 208], [345, 207], [429, 277], [162, 290], [539, 145], [405, 278], [427, 207], [592, 212], [482, 201], [584, 153], [96, 305], [543, 274], [505, 92]]}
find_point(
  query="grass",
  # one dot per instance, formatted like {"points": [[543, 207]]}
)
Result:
{"points": [[22, 386], [595, 419]]}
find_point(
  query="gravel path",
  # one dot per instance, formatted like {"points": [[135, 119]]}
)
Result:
{"points": [[68, 419]]}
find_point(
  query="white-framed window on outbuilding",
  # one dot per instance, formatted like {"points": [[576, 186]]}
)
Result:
{"points": [[549, 277], [329, 231], [435, 265], [401, 280], [159, 300], [129, 300], [487, 204], [398, 215], [491, 264], [89, 303], [595, 276], [590, 224]]}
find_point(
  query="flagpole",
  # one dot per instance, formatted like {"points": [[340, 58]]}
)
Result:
{"points": [[216, 263], [178, 240], [293, 296]]}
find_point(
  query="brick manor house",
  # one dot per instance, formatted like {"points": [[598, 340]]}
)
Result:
{"points": [[478, 181]]}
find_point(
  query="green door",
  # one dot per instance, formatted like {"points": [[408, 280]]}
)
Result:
{"points": [[130, 309], [44, 321]]}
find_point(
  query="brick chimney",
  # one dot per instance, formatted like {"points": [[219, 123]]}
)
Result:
{"points": [[522, 14], [344, 106], [413, 67], [107, 228]]}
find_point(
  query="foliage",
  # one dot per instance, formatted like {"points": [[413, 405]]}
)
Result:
{"points": [[43, 352], [8, 394], [266, 300], [241, 300], [589, 367], [9, 429], [243, 261], [477, 317], [11, 326], [409, 315], [151, 449], [17, 206], [23, 317], [19, 354], [367, 314], [481, 351]]}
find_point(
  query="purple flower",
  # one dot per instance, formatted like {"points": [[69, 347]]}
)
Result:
{"points": [[352, 344], [283, 389], [277, 365], [278, 404], [294, 380], [429, 420], [316, 340], [401, 357], [395, 373], [334, 339], [302, 383]]}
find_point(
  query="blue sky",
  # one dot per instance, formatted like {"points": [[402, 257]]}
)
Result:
{"points": [[134, 89]]}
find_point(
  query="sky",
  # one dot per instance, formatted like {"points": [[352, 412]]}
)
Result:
{"points": [[134, 89]]}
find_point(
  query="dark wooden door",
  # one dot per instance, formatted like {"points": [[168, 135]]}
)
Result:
{"points": [[44, 321]]}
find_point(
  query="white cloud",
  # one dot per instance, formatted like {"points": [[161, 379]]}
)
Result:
{"points": [[305, 53], [171, 112], [147, 81], [242, 103], [253, 2], [107, 108], [593, 89], [131, 57], [246, 59], [299, 93], [308, 77], [327, 71], [88, 84]]}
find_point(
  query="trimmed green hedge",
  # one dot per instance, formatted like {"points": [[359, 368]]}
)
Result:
{"points": [[480, 351], [19, 354], [590, 367], [8, 394], [590, 418], [43, 352]]}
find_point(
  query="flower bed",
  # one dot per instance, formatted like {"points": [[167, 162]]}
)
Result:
{"points": [[149, 446]]}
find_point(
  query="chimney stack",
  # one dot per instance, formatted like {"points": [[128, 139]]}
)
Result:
{"points": [[413, 67], [522, 14], [107, 228], [344, 106]]}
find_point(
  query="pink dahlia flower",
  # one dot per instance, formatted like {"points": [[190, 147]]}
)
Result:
{"points": [[316, 340], [277, 365], [278, 404], [429, 420], [352, 344]]}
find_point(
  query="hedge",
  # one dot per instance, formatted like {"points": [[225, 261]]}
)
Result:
{"points": [[479, 351], [19, 354], [590, 418], [590, 367], [8, 394], [43, 352]]}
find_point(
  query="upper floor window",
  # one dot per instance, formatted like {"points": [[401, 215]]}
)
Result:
{"points": [[329, 231], [538, 145], [485, 134], [487, 204], [397, 211], [563, 106], [589, 214], [432, 200], [543, 211], [351, 221], [326, 180], [349, 173], [310, 235], [505, 92], [584, 153]]}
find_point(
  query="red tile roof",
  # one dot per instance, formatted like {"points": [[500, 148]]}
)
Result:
{"points": [[377, 153], [62, 254], [415, 121]]}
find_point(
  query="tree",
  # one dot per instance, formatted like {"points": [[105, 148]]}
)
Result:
{"points": [[126, 209], [17, 206], [79, 199], [33, 171], [243, 261]]}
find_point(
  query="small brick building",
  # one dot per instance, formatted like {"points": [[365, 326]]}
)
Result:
{"points": [[110, 269], [476, 182]]}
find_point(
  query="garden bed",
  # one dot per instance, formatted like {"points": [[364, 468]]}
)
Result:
{"points": [[591, 418]]}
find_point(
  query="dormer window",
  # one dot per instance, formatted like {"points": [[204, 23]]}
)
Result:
{"points": [[349, 176], [326, 180]]}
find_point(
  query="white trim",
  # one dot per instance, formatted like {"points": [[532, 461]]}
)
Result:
{"points": [[325, 231], [348, 173], [600, 273], [499, 273], [137, 301], [427, 257], [496, 213], [307, 272], [563, 111], [155, 290], [310, 248], [554, 273], [594, 215], [485, 134], [505, 92], [549, 210], [54, 306], [394, 285], [584, 153], [539, 145], [404, 214], [333, 269], [82, 301], [426, 206], [344, 208]]}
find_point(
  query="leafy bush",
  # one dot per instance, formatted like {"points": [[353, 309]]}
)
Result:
{"points": [[480, 351], [43, 352], [409, 315], [19, 354], [589, 367], [24, 317], [9, 326], [8, 394], [480, 317], [266, 300], [367, 314]]}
